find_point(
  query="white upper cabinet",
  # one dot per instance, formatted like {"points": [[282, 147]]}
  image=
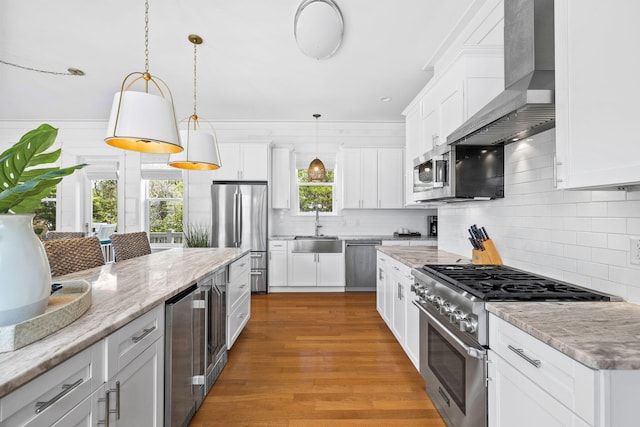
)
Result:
{"points": [[281, 170], [243, 162], [597, 144], [372, 178]]}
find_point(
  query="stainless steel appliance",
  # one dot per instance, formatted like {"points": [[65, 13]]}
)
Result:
{"points": [[360, 265], [527, 105], [454, 329], [216, 317], [451, 173], [185, 343], [240, 214]]}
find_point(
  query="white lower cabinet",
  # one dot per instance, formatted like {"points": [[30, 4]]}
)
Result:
{"points": [[238, 298], [89, 413], [316, 269], [124, 371], [394, 303], [46, 399], [136, 393], [278, 271], [531, 384], [135, 371]]}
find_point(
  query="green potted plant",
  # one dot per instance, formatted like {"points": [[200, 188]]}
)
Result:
{"points": [[24, 181], [196, 236]]}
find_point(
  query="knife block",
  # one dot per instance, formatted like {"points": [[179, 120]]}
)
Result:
{"points": [[488, 256]]}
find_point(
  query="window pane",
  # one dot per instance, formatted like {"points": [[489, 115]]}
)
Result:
{"points": [[312, 195], [165, 215], [104, 201], [45, 214], [302, 176], [165, 189]]}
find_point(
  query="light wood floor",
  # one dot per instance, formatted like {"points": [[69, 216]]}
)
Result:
{"points": [[317, 360]]}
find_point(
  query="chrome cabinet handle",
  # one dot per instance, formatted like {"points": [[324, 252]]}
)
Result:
{"points": [[520, 352], [145, 332], [107, 410], [117, 410], [66, 389], [556, 180], [256, 273]]}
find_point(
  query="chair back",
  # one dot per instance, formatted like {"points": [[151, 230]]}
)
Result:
{"points": [[130, 245], [70, 255], [57, 235]]}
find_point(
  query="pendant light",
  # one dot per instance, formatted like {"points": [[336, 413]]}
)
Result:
{"points": [[316, 171], [142, 121], [200, 147]]}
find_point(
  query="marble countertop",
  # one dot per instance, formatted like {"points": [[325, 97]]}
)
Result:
{"points": [[365, 237], [417, 256], [600, 335], [121, 292]]}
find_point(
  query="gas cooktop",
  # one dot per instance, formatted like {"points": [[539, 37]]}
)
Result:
{"points": [[502, 283]]}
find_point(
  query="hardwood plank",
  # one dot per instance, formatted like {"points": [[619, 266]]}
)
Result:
{"points": [[325, 359]]}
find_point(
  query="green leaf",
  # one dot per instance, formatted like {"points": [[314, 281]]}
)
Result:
{"points": [[22, 185]]}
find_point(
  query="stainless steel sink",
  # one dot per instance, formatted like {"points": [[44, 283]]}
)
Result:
{"points": [[320, 244], [321, 237]]}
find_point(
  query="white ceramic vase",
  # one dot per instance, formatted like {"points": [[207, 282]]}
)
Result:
{"points": [[25, 277]]}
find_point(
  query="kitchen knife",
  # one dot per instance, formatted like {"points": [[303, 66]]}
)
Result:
{"points": [[473, 243], [484, 234]]}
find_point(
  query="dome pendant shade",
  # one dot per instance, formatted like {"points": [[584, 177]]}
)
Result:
{"points": [[143, 122], [201, 151], [316, 171]]}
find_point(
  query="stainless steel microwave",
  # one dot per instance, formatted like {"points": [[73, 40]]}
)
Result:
{"points": [[450, 172]]}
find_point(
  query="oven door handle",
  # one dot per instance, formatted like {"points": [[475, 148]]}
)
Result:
{"points": [[476, 353]]}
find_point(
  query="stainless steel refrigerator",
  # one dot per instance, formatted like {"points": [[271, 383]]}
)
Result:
{"points": [[240, 215]]}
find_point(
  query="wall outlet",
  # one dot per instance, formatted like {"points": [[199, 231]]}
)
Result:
{"points": [[635, 250]]}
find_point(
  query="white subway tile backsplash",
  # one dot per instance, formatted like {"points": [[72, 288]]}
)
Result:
{"points": [[594, 240], [633, 226], [610, 256], [618, 242], [609, 225], [577, 252], [624, 209], [562, 236], [594, 209], [593, 269], [577, 224], [581, 237]]}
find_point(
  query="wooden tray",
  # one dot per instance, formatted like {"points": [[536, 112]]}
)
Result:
{"points": [[65, 306]]}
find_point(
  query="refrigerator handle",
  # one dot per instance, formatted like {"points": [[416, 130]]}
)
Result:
{"points": [[236, 215], [239, 195]]}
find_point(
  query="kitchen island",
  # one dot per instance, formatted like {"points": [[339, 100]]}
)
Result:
{"points": [[121, 293]]}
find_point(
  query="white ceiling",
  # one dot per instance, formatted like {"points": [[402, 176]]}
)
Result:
{"points": [[249, 67]]}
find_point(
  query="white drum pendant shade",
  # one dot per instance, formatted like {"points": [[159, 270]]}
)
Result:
{"points": [[318, 28], [200, 151], [143, 122]]}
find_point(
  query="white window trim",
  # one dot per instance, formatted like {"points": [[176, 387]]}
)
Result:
{"points": [[150, 176]]}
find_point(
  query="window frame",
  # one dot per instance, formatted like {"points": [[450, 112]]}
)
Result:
{"points": [[333, 186], [149, 176]]}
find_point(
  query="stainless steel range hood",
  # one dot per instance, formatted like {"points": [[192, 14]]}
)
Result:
{"points": [[527, 105]]}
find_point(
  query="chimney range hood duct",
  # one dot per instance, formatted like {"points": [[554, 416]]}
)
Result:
{"points": [[527, 105]]}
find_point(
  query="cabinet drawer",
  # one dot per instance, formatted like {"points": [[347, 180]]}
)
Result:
{"points": [[237, 289], [132, 339], [238, 319], [565, 379], [277, 245], [48, 397], [403, 271], [238, 267]]}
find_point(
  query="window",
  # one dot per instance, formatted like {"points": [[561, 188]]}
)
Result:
{"points": [[315, 194], [45, 215], [104, 203], [164, 199]]}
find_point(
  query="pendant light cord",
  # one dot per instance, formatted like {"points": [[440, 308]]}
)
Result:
{"points": [[317, 116], [195, 74], [146, 36]]}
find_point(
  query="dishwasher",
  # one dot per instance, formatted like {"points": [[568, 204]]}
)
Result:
{"points": [[360, 265]]}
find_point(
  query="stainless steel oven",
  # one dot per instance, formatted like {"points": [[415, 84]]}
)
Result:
{"points": [[454, 326], [453, 368]]}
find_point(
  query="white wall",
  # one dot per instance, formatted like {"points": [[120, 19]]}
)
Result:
{"points": [[581, 237], [79, 139]]}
